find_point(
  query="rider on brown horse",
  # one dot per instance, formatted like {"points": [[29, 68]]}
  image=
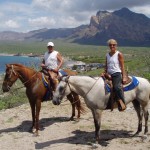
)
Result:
{"points": [[52, 62]]}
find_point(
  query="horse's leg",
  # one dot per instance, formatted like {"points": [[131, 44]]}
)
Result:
{"points": [[146, 115], [38, 108], [139, 112], [32, 105], [97, 122], [77, 103], [70, 98]]}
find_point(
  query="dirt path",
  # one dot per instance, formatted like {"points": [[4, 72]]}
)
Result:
{"points": [[59, 134]]}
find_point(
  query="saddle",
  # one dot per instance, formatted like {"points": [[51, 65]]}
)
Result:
{"points": [[50, 85], [109, 80], [112, 100]]}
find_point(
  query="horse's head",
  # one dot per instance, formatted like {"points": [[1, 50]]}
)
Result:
{"points": [[10, 77], [61, 90]]}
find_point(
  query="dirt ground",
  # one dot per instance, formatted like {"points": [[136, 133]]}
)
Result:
{"points": [[57, 133]]}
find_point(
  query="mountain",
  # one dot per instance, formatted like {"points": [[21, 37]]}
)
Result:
{"points": [[127, 27], [55, 33]]}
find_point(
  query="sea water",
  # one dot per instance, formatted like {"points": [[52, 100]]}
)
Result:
{"points": [[24, 60]]}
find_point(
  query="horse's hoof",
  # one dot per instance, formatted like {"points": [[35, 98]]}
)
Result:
{"points": [[33, 130], [95, 145], [145, 138], [71, 119], [135, 134], [78, 119], [36, 134]]}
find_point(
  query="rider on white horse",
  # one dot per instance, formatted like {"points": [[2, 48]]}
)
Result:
{"points": [[115, 68]]}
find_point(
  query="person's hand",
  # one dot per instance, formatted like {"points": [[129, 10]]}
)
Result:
{"points": [[55, 70], [124, 80], [42, 65], [102, 74]]}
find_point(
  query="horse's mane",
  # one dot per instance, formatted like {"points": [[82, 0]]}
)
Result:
{"points": [[19, 65], [22, 66], [87, 77], [93, 77]]}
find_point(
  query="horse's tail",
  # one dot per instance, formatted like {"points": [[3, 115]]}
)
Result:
{"points": [[80, 106]]}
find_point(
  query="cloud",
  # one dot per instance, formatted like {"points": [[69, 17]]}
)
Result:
{"points": [[12, 24], [42, 22], [143, 10], [77, 12], [86, 5], [28, 15]]}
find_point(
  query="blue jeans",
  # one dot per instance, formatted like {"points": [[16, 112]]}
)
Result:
{"points": [[117, 86]]}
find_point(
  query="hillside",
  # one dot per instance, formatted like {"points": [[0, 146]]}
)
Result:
{"points": [[127, 27]]}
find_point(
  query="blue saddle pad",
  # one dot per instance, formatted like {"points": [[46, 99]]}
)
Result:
{"points": [[134, 83], [45, 82], [62, 73]]}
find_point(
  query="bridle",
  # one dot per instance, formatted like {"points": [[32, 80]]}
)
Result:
{"points": [[12, 72], [67, 84], [18, 75]]}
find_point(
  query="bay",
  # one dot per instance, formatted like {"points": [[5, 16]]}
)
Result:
{"points": [[24, 60]]}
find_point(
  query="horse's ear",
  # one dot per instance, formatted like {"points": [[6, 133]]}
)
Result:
{"points": [[7, 65], [65, 78]]}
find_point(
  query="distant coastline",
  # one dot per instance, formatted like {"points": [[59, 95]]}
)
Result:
{"points": [[5, 54], [28, 55]]}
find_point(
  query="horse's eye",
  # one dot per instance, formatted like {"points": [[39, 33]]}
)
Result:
{"points": [[7, 75], [61, 89], [7, 71]]}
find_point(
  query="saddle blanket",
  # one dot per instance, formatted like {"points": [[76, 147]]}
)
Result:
{"points": [[134, 83], [45, 82], [62, 73]]}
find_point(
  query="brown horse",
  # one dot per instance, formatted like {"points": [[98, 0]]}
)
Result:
{"points": [[35, 90]]}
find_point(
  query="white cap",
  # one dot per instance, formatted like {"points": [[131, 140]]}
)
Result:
{"points": [[50, 44]]}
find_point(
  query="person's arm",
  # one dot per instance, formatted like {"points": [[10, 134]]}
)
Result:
{"points": [[121, 61], [60, 60]]}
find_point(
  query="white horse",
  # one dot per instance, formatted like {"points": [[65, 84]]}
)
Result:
{"points": [[94, 93]]}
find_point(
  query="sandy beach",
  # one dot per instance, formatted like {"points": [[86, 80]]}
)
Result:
{"points": [[56, 132]]}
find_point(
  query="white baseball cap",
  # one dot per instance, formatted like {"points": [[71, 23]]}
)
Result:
{"points": [[50, 44]]}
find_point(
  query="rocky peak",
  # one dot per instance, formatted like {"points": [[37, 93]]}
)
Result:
{"points": [[96, 20]]}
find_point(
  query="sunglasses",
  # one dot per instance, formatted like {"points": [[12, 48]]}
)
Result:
{"points": [[112, 45]]}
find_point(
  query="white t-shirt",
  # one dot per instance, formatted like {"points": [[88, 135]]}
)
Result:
{"points": [[113, 64], [51, 59]]}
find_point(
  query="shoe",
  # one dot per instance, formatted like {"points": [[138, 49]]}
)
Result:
{"points": [[121, 105]]}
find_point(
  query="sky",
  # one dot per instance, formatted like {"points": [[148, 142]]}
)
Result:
{"points": [[29, 15]]}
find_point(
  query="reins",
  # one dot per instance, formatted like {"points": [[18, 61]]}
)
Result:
{"points": [[70, 93], [13, 71], [91, 88]]}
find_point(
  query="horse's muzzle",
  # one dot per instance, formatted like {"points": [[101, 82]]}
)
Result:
{"points": [[56, 101], [5, 88]]}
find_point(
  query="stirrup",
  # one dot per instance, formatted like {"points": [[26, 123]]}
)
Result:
{"points": [[121, 105]]}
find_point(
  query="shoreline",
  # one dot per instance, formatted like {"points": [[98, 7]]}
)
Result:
{"points": [[26, 55], [5, 54]]}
